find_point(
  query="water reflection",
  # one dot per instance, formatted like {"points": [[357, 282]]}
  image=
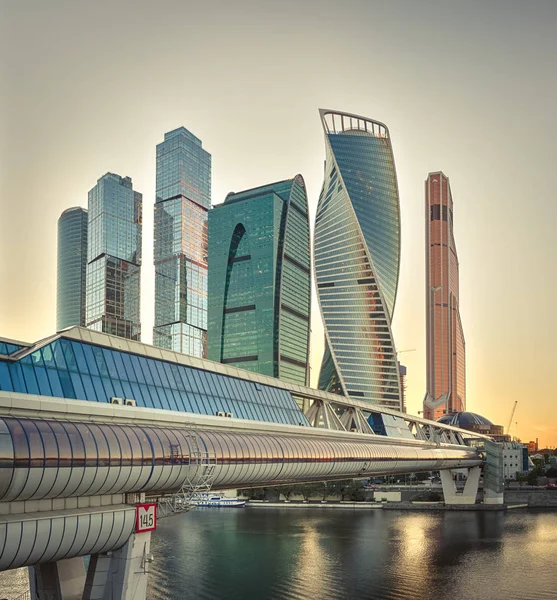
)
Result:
{"points": [[305, 554], [331, 554]]}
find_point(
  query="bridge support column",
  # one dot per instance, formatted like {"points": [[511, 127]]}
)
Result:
{"points": [[128, 571], [62, 580], [468, 495], [97, 577]]}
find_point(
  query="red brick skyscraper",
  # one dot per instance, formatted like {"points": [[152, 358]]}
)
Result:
{"points": [[446, 354]]}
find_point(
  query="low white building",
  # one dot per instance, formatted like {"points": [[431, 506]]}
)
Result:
{"points": [[515, 459]]}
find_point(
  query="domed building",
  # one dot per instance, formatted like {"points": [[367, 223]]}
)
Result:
{"points": [[473, 422]]}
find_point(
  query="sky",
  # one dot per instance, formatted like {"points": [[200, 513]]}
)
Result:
{"points": [[469, 88]]}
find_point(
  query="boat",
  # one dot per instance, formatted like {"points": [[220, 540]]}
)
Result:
{"points": [[216, 500]]}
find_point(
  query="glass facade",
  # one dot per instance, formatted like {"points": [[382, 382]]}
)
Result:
{"points": [[446, 350], [260, 281], [69, 368], [357, 254], [183, 200], [72, 267], [114, 258]]}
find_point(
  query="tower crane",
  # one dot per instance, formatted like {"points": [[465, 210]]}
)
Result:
{"points": [[512, 415]]}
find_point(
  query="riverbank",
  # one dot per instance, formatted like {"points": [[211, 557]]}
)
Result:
{"points": [[416, 506]]}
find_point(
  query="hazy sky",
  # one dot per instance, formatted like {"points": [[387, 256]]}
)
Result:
{"points": [[469, 88]]}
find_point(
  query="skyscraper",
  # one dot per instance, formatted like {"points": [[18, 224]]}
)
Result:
{"points": [[260, 280], [183, 201], [114, 257], [446, 352], [357, 254], [72, 266]]}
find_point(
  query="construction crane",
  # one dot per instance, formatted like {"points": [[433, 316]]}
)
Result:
{"points": [[409, 350], [512, 415]]}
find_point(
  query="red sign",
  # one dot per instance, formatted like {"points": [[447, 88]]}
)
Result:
{"points": [[145, 517]]}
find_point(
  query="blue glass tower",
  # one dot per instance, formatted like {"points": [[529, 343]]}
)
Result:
{"points": [[357, 255], [260, 281], [183, 201], [114, 258], [72, 266]]}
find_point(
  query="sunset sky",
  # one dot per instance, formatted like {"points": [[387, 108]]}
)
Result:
{"points": [[469, 88]]}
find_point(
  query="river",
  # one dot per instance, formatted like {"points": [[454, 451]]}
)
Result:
{"points": [[336, 554]]}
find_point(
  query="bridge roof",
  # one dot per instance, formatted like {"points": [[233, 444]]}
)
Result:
{"points": [[79, 363]]}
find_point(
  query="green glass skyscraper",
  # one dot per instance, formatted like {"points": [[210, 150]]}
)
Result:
{"points": [[114, 258], [259, 281], [72, 264], [183, 200]]}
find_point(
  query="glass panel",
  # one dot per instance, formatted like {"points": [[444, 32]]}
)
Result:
{"points": [[125, 446], [90, 359], [69, 355], [110, 364], [58, 354], [88, 387], [50, 447], [16, 373], [30, 379], [79, 357], [5, 379], [42, 379], [91, 454], [103, 452], [63, 443], [20, 442], [77, 384], [55, 385], [138, 371]]}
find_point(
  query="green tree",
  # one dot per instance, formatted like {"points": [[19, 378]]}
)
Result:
{"points": [[533, 477]]}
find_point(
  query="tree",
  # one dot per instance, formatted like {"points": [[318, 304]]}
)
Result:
{"points": [[352, 490], [533, 477], [520, 477]]}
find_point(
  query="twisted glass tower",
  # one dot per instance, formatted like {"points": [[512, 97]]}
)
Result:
{"points": [[357, 256]]}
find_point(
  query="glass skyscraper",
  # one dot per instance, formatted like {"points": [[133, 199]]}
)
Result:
{"points": [[446, 351], [72, 266], [260, 281], [183, 201], [357, 255], [114, 258]]}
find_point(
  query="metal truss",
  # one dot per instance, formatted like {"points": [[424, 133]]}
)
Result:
{"points": [[342, 417], [325, 416]]}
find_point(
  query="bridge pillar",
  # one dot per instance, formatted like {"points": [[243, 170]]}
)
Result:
{"points": [[62, 580], [468, 495], [97, 577], [128, 570]]}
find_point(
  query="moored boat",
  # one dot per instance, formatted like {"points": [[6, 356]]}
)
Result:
{"points": [[216, 500]]}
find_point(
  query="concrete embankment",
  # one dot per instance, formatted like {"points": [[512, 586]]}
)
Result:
{"points": [[533, 498], [343, 504], [416, 506]]}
